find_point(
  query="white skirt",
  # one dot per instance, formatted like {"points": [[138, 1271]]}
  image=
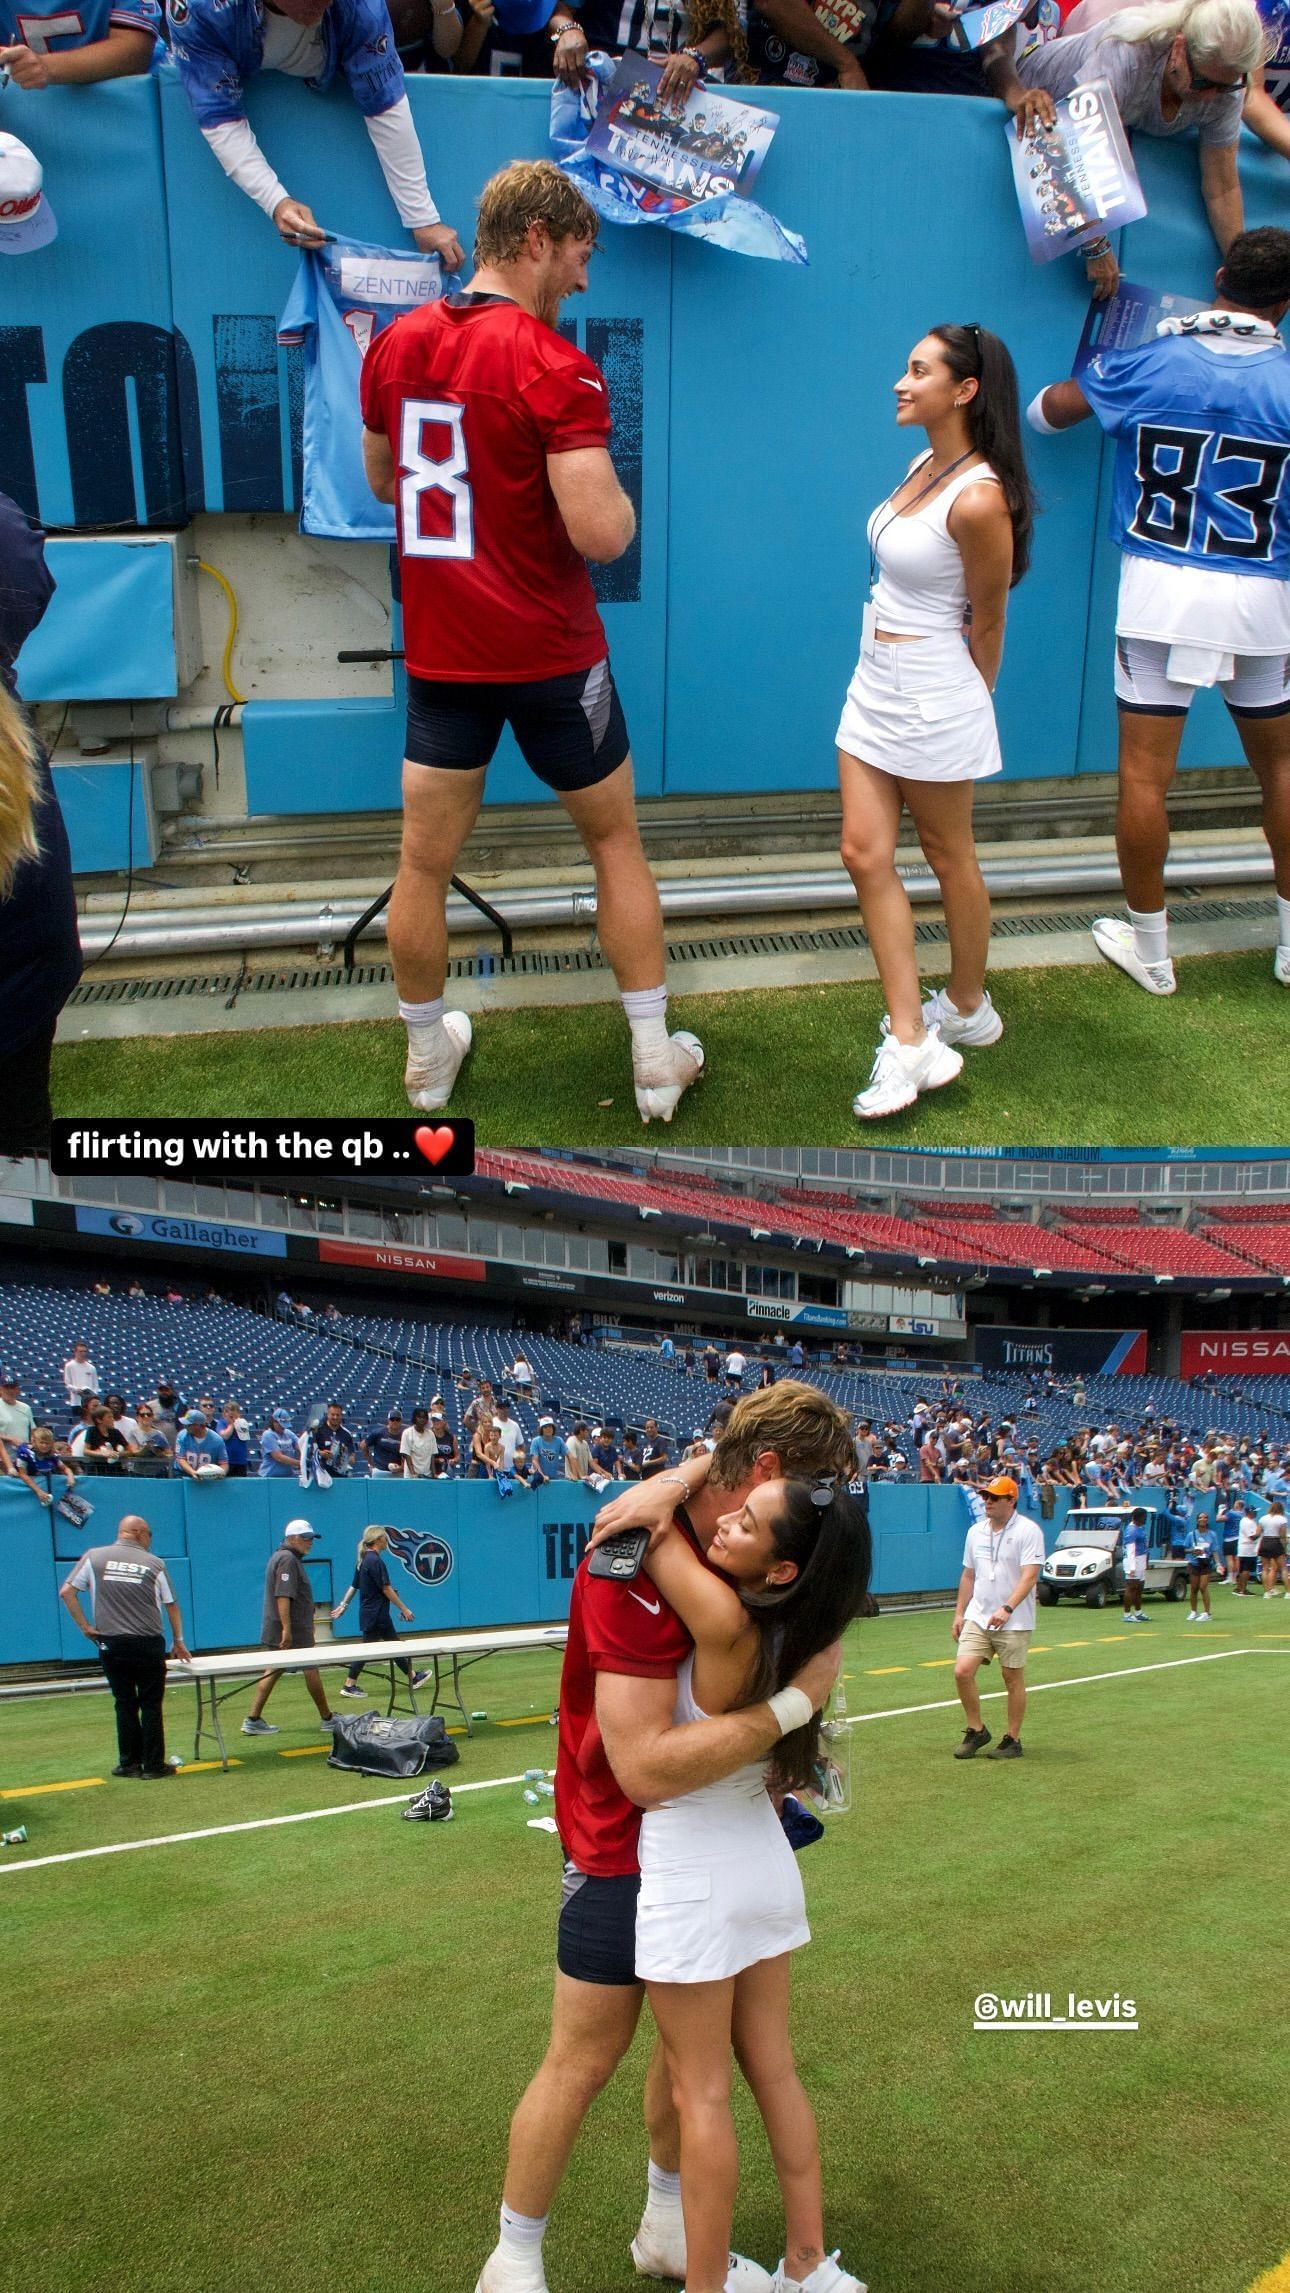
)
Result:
{"points": [[921, 711], [720, 1887]]}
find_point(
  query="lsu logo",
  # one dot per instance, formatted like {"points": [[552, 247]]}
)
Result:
{"points": [[428, 1559]]}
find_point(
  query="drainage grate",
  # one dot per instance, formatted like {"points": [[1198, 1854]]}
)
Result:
{"points": [[537, 963]]}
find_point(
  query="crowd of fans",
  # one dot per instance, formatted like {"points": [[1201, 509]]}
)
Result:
{"points": [[1178, 67]]}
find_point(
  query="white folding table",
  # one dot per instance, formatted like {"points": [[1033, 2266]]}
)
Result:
{"points": [[238, 1666]]}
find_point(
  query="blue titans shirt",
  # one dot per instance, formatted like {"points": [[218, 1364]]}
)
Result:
{"points": [[206, 1448], [1202, 468], [344, 296], [218, 45], [548, 1456], [51, 29]]}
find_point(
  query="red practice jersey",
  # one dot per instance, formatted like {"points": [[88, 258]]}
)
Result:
{"points": [[612, 1628], [472, 398]]}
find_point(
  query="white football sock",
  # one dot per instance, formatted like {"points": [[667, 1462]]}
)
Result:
{"points": [[423, 1022], [646, 1009], [1283, 922], [664, 2191], [1151, 936], [521, 2235]]}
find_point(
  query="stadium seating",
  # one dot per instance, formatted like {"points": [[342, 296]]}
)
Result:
{"points": [[1163, 1250], [1263, 1244]]}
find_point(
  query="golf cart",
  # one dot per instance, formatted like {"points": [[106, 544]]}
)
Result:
{"points": [[1087, 1561]]}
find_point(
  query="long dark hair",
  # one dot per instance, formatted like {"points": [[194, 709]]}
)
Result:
{"points": [[973, 354], [825, 1530]]}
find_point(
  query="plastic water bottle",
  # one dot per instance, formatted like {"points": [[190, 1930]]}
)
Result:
{"points": [[834, 1773], [531, 1797], [16, 1838], [534, 1775]]}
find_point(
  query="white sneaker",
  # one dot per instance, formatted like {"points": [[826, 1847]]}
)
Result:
{"points": [[973, 1029], [1115, 941], [826, 2277], [1139, 1616], [500, 2275], [252, 1727], [658, 2248], [660, 1081], [901, 1070], [1281, 966], [745, 2276], [429, 1082], [1190, 1617], [1269, 1596], [1204, 1617]]}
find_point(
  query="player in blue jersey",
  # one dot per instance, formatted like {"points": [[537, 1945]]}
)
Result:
{"points": [[44, 44], [218, 45], [1201, 510]]}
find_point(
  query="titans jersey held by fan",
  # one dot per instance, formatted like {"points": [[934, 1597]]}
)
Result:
{"points": [[612, 1628], [345, 295], [472, 396], [51, 30], [1202, 468]]}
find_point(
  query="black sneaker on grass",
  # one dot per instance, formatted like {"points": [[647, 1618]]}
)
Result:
{"points": [[974, 1741], [433, 1805], [1007, 1748]]}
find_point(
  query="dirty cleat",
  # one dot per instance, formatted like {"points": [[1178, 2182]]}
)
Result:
{"points": [[972, 1030], [901, 1070], [433, 1805], [660, 1081], [429, 1080], [1114, 939]]}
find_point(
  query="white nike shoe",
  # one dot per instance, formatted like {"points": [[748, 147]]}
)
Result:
{"points": [[1281, 966], [1114, 940], [901, 1070], [658, 2248], [501, 2275], [745, 2276], [826, 2277], [972, 1029], [429, 1082], [661, 1080]]}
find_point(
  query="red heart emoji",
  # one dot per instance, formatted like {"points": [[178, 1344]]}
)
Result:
{"points": [[434, 1144]]}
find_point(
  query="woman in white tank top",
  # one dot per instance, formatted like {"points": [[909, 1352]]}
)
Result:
{"points": [[721, 1903], [918, 725]]}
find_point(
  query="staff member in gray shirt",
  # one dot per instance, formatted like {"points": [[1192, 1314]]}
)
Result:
{"points": [[128, 1591], [288, 1622]]}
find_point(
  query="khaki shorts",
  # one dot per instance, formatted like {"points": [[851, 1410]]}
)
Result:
{"points": [[1009, 1647]]}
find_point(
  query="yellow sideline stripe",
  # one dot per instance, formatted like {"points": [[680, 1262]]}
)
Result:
{"points": [[35, 1790], [201, 1767], [1274, 2280], [882, 1671], [302, 1752]]}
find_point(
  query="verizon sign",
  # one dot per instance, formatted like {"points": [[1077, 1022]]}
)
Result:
{"points": [[1265, 1352]]}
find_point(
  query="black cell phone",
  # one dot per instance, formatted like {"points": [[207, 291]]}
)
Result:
{"points": [[621, 1556]]}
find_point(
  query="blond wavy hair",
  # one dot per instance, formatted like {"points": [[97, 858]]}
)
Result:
{"points": [[19, 791], [810, 1435], [529, 191]]}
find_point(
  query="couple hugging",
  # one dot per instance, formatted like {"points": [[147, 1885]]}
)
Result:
{"points": [[685, 1694]]}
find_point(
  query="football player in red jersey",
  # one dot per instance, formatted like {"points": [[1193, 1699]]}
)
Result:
{"points": [[490, 434], [618, 1750]]}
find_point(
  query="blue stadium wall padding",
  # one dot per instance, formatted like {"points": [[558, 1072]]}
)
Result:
{"points": [[140, 381], [110, 632], [423, 1533], [108, 810], [161, 1503], [30, 1628], [322, 756]]}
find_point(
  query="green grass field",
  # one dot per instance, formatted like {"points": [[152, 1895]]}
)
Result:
{"points": [[1087, 1059], [287, 2056]]}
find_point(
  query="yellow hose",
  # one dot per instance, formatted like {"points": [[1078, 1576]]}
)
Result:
{"points": [[227, 587]]}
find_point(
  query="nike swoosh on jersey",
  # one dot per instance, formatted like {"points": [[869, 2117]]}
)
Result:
{"points": [[655, 1607], [589, 382]]}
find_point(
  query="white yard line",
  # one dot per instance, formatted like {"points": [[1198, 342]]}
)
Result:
{"points": [[498, 1783]]}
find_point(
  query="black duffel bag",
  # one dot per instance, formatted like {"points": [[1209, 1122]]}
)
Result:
{"points": [[370, 1745]]}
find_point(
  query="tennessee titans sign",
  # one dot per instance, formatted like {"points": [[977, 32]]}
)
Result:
{"points": [[427, 1558]]}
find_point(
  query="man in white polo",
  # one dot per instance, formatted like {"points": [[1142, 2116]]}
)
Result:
{"points": [[995, 1613]]}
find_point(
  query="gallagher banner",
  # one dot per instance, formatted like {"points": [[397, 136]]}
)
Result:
{"points": [[1229, 1352], [1095, 1353]]}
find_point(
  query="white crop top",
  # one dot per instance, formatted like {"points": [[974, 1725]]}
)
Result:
{"points": [[920, 590]]}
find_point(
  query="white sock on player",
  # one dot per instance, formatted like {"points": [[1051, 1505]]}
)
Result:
{"points": [[1283, 922], [646, 1009], [1151, 936]]}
